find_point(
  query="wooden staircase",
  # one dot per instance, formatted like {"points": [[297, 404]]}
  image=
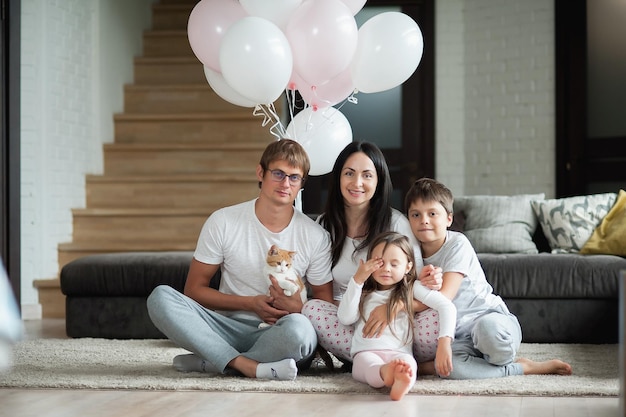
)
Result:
{"points": [[179, 153]]}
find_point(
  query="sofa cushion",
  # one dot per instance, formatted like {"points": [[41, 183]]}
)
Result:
{"points": [[124, 274], [610, 236], [569, 222], [499, 224], [551, 276]]}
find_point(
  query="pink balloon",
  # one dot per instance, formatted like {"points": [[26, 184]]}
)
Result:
{"points": [[329, 93], [323, 36], [206, 26], [276, 11]]}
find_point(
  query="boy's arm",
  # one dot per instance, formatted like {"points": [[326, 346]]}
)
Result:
{"points": [[443, 306]]}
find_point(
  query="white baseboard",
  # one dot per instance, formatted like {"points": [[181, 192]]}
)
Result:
{"points": [[31, 312]]}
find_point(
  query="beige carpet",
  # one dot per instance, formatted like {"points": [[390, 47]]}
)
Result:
{"points": [[146, 365]]}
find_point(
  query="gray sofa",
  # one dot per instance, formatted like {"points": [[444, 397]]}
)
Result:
{"points": [[566, 298], [559, 298]]}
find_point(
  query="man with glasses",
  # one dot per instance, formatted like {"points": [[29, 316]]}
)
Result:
{"points": [[220, 327]]}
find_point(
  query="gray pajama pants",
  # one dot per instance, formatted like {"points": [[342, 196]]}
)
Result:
{"points": [[490, 350], [219, 339]]}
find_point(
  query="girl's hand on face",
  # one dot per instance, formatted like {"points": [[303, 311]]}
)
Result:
{"points": [[366, 268]]}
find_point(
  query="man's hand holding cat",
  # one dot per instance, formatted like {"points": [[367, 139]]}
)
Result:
{"points": [[288, 304], [263, 307]]}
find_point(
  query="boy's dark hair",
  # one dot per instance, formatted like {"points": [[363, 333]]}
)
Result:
{"points": [[428, 189]]}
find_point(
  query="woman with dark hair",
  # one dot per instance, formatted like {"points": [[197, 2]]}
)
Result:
{"points": [[358, 208]]}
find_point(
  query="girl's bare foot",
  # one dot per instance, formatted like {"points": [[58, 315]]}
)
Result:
{"points": [[387, 372], [402, 377], [554, 367]]}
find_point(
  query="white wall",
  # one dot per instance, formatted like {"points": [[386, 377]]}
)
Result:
{"points": [[495, 131], [75, 57]]}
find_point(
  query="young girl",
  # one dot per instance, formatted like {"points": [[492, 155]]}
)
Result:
{"points": [[387, 278]]}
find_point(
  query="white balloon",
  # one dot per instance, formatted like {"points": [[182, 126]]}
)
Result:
{"points": [[323, 134], [256, 59], [225, 91], [389, 50], [276, 11], [354, 5]]}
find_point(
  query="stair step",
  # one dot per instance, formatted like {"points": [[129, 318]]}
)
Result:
{"points": [[51, 298], [180, 225], [203, 191], [171, 16], [168, 70], [74, 250], [141, 159], [190, 128], [174, 99], [166, 43]]}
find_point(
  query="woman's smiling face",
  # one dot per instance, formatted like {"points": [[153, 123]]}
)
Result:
{"points": [[358, 180]]}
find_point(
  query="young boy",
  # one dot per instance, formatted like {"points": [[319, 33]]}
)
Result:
{"points": [[487, 336]]}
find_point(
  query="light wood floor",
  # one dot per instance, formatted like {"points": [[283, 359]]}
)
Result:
{"points": [[88, 403]]}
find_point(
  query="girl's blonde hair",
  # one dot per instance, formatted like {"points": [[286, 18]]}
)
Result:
{"points": [[401, 297]]}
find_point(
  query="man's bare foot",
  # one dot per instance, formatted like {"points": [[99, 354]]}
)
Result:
{"points": [[554, 367], [402, 380], [426, 368]]}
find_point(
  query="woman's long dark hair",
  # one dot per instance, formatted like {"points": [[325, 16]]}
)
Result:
{"points": [[379, 215]]}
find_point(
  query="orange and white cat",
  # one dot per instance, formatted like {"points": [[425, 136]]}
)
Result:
{"points": [[279, 264]]}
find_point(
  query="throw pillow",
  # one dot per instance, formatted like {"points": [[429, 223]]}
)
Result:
{"points": [[499, 224], [569, 222], [610, 236]]}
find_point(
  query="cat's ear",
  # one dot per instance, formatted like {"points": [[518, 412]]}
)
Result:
{"points": [[292, 253], [273, 250]]}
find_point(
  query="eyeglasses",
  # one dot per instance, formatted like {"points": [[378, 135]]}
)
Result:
{"points": [[279, 175]]}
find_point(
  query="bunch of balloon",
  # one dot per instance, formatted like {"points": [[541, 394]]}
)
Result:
{"points": [[254, 50]]}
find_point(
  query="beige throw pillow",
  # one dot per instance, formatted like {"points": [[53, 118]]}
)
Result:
{"points": [[499, 224]]}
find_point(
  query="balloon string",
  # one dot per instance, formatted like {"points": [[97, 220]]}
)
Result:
{"points": [[291, 102], [269, 114], [350, 99]]}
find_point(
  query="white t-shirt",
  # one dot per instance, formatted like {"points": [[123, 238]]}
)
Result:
{"points": [[234, 238], [475, 296], [348, 262]]}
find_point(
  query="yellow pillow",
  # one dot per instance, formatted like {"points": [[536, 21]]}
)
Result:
{"points": [[610, 236]]}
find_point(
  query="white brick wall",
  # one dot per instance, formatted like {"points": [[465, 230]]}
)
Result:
{"points": [[57, 122], [64, 111], [450, 95], [495, 129]]}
